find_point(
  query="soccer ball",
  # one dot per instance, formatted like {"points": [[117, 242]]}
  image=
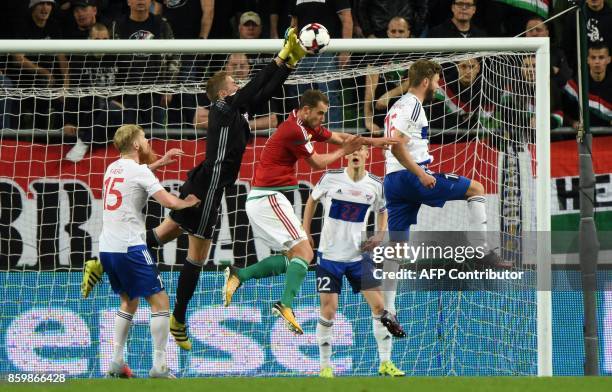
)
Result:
{"points": [[314, 38]]}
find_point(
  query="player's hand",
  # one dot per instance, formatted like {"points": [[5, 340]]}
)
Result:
{"points": [[373, 241], [427, 180], [382, 142], [170, 155], [292, 51], [352, 144], [192, 200], [297, 50]]}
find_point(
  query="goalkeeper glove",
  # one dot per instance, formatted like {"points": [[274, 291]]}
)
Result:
{"points": [[286, 50], [292, 51], [297, 51]]}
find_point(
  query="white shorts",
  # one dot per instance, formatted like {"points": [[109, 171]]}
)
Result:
{"points": [[273, 219]]}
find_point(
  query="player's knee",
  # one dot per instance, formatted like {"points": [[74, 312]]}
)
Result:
{"points": [[159, 302], [129, 306], [475, 189], [303, 250], [329, 312], [198, 250], [198, 262], [329, 307]]}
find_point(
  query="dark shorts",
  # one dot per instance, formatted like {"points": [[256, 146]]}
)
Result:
{"points": [[199, 221], [133, 273], [360, 275], [405, 194]]}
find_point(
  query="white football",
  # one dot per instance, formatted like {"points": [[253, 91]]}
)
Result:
{"points": [[314, 38]]}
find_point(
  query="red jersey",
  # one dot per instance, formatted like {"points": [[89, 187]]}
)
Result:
{"points": [[290, 142]]}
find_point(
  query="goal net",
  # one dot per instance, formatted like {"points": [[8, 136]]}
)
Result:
{"points": [[488, 121]]}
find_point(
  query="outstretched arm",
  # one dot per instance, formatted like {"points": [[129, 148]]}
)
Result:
{"points": [[382, 142], [350, 144], [263, 85]]}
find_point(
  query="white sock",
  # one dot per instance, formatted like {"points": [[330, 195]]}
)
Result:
{"points": [[160, 327], [389, 286], [123, 321], [384, 341], [478, 218], [324, 338]]}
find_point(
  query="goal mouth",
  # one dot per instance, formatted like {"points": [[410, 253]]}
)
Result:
{"points": [[489, 122]]}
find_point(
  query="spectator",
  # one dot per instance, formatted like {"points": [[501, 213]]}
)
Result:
{"points": [[189, 18], [261, 8], [560, 71], [600, 90], [93, 118], [40, 26], [280, 18], [507, 18], [515, 111], [144, 69], [460, 25], [250, 28], [85, 15], [336, 16], [382, 90], [459, 103], [599, 29], [39, 71], [250, 25], [374, 15]]}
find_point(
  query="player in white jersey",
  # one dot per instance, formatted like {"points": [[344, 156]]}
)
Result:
{"points": [[124, 256], [408, 182], [348, 196]]}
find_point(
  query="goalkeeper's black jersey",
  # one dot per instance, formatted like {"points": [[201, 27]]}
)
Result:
{"points": [[228, 127]]}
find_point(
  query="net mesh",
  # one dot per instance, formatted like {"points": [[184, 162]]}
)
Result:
{"points": [[481, 126]]}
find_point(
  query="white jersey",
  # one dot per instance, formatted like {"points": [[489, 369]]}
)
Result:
{"points": [[127, 186], [347, 204], [408, 117]]}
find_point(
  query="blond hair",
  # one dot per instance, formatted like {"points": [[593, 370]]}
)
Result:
{"points": [[215, 84], [125, 136]]}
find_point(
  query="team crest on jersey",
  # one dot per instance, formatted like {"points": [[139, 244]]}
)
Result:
{"points": [[175, 3], [354, 192], [142, 34]]}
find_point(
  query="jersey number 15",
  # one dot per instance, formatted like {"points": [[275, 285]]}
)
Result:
{"points": [[109, 187]]}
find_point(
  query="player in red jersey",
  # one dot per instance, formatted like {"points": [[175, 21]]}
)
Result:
{"points": [[270, 212]]}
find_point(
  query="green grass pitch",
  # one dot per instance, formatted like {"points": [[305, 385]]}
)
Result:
{"points": [[340, 384]]}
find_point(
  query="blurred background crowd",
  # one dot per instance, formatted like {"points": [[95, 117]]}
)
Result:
{"points": [[359, 104]]}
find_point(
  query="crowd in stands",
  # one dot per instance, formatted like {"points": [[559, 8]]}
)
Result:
{"points": [[256, 19]]}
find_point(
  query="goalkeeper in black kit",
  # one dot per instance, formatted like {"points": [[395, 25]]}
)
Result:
{"points": [[227, 138]]}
